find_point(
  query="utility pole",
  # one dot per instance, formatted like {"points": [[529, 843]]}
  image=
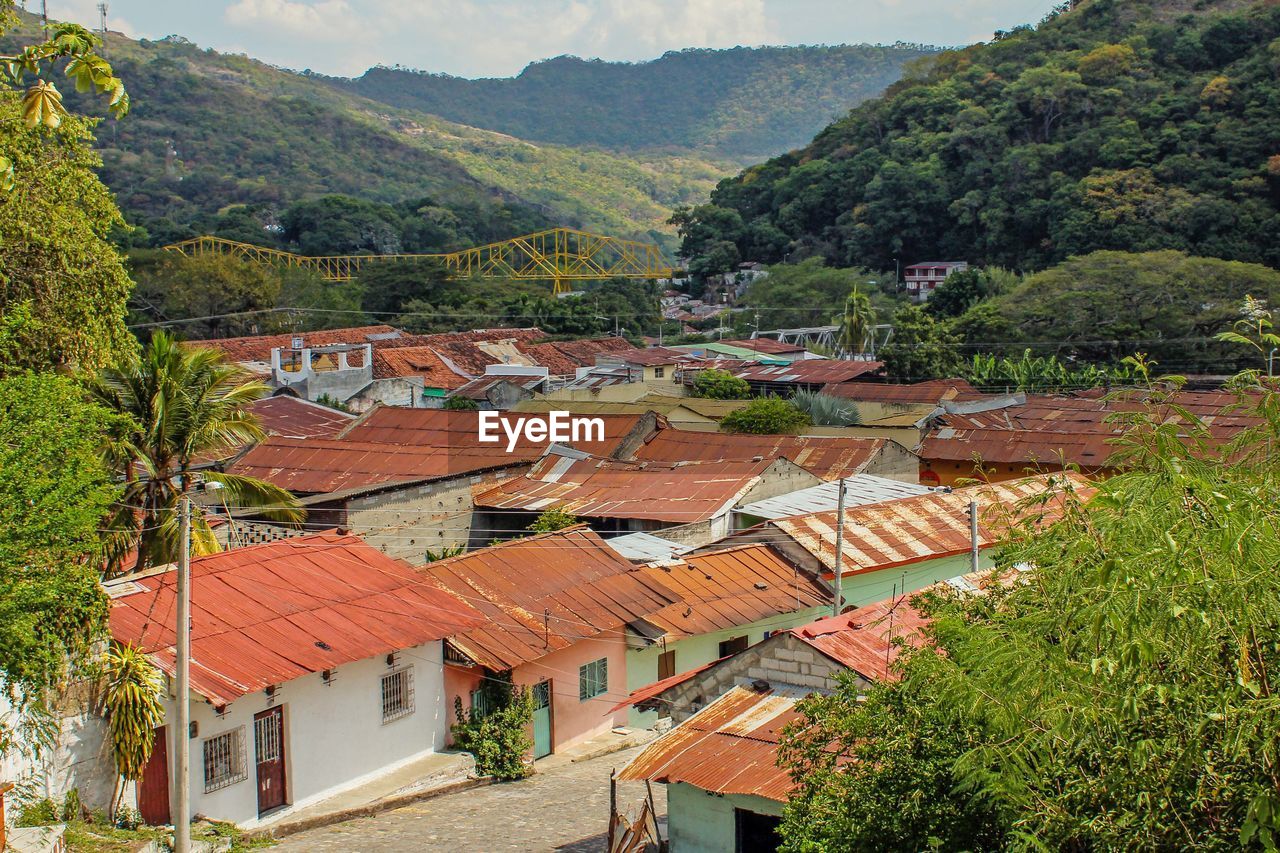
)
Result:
{"points": [[44, 12], [838, 602], [182, 733], [973, 536]]}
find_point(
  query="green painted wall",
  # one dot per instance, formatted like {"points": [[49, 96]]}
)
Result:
{"points": [[642, 665], [859, 590], [698, 822]]}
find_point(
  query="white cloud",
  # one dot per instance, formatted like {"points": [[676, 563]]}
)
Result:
{"points": [[327, 20], [85, 13]]}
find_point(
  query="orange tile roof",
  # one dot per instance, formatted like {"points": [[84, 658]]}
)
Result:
{"points": [[563, 358], [897, 533], [544, 593], [828, 458], [417, 361], [267, 614], [259, 347], [603, 488], [730, 588], [729, 747]]}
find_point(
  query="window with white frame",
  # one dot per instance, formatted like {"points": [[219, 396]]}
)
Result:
{"points": [[397, 694], [224, 762], [593, 679]]}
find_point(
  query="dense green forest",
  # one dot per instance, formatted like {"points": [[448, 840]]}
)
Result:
{"points": [[1114, 125], [745, 103], [210, 131]]}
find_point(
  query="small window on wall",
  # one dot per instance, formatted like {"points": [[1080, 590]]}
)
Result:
{"points": [[593, 679], [666, 665], [732, 646], [224, 762], [481, 704], [659, 372], [397, 694]]}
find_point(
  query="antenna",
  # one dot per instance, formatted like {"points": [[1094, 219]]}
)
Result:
{"points": [[102, 21]]}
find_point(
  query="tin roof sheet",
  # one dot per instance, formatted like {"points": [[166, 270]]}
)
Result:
{"points": [[765, 345], [267, 614], [312, 466], [826, 457], [544, 593], [294, 417], [809, 371], [896, 533], [730, 588], [604, 488], [729, 747], [450, 430], [933, 391], [645, 547], [860, 489]]}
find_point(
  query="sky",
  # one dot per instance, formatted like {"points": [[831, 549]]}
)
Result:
{"points": [[497, 38]]}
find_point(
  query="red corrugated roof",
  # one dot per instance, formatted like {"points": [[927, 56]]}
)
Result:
{"points": [[867, 640], [809, 371], [544, 593], [297, 418], [602, 488], [829, 458], [897, 533], [729, 747], [451, 430], [319, 466], [730, 588], [934, 391], [765, 345], [259, 347], [270, 613]]}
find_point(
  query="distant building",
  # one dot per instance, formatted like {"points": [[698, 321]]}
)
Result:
{"points": [[922, 279]]}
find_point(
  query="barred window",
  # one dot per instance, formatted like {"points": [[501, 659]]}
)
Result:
{"points": [[481, 704], [593, 679], [224, 762], [397, 694]]}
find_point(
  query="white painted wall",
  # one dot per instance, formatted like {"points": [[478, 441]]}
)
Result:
{"points": [[80, 759], [702, 822], [335, 739]]}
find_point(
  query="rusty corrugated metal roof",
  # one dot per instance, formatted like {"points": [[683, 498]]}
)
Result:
{"points": [[731, 588], [312, 466], [444, 429], [420, 361], [932, 391], [294, 417], [729, 747], [765, 345], [267, 614], [828, 458], [896, 533], [544, 593], [809, 371], [603, 488]]}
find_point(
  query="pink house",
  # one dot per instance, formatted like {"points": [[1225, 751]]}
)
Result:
{"points": [[922, 279], [556, 607]]}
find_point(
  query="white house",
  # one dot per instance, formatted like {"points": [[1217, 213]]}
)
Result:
{"points": [[316, 665]]}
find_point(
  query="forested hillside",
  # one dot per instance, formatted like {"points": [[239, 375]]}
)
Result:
{"points": [[745, 103], [210, 131], [1116, 125]]}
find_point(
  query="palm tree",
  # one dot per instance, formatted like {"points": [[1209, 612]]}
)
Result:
{"points": [[183, 407], [857, 324]]}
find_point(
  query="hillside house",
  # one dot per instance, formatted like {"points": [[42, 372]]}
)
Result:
{"points": [[923, 278], [316, 666]]}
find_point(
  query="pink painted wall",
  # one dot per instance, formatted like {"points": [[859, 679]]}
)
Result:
{"points": [[572, 721]]}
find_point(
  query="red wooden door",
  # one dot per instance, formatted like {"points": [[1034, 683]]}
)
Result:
{"points": [[153, 789], [268, 750]]}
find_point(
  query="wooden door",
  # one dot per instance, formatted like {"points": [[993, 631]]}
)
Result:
{"points": [[542, 718], [268, 750], [153, 789]]}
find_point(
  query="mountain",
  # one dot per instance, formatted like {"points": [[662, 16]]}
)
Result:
{"points": [[1135, 125], [211, 131], [744, 103]]}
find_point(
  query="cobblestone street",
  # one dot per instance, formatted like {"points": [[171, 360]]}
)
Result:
{"points": [[564, 807]]}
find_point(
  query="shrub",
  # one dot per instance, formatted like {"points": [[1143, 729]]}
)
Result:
{"points": [[766, 416], [720, 385], [499, 739], [551, 520], [460, 404], [826, 410]]}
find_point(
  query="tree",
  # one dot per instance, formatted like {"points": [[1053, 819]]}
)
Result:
{"points": [[551, 520], [798, 295], [58, 263], [920, 348], [857, 324], [186, 406], [54, 492], [963, 290], [175, 287], [458, 403], [765, 416], [717, 384], [1119, 697]]}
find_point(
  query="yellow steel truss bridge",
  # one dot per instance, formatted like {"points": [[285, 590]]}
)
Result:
{"points": [[559, 256]]}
